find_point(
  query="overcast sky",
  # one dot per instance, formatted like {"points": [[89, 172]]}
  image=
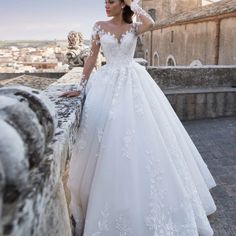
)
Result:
{"points": [[48, 19]]}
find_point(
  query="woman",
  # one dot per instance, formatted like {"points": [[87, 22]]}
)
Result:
{"points": [[134, 169]]}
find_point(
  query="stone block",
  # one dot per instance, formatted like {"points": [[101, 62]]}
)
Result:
{"points": [[172, 98], [220, 104], [200, 110], [211, 105], [200, 98], [13, 160], [24, 120], [180, 107], [29, 189], [2, 183], [231, 103], [191, 112], [38, 102]]}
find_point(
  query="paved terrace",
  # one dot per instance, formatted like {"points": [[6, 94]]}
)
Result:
{"points": [[216, 141]]}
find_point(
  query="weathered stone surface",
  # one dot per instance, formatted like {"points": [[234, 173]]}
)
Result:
{"points": [[2, 183], [38, 102], [25, 121], [37, 207], [197, 93], [215, 140], [41, 208], [203, 103], [180, 77], [77, 54], [13, 156]]}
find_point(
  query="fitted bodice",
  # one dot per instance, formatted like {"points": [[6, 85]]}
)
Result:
{"points": [[118, 51]]}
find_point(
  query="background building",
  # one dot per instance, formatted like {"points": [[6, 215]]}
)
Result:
{"points": [[188, 33]]}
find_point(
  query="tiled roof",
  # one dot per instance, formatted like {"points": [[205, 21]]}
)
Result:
{"points": [[214, 9]]}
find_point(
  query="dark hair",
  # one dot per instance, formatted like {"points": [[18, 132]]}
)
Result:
{"points": [[127, 14]]}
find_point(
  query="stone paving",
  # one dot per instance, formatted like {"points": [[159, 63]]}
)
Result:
{"points": [[216, 141]]}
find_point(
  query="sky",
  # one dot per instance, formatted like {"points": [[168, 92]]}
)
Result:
{"points": [[48, 19]]}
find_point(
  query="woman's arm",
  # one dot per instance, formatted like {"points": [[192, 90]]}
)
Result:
{"points": [[89, 63], [146, 20], [92, 57]]}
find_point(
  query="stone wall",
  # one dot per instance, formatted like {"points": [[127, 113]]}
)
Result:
{"points": [[205, 35], [193, 77], [227, 52], [37, 131], [165, 9], [197, 93], [190, 42]]}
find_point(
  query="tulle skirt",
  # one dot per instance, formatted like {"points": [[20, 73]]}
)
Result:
{"points": [[134, 169]]}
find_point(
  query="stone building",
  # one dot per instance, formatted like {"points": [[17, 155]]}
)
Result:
{"points": [[187, 33]]}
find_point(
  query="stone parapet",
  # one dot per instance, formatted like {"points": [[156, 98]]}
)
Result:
{"points": [[198, 92], [174, 77], [32, 160]]}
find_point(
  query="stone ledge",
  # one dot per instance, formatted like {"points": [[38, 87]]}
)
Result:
{"points": [[41, 207], [199, 90], [203, 104], [182, 77]]}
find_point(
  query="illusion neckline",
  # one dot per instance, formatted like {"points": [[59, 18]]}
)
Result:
{"points": [[121, 37]]}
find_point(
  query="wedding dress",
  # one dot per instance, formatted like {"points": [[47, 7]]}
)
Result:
{"points": [[134, 169]]}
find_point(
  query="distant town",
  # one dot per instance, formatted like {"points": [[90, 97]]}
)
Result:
{"points": [[33, 56]]}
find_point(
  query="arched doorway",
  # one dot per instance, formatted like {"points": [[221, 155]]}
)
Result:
{"points": [[170, 61], [156, 59]]}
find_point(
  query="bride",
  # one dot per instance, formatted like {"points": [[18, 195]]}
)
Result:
{"points": [[134, 169]]}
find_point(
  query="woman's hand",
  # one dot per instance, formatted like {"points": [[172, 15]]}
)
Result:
{"points": [[70, 94]]}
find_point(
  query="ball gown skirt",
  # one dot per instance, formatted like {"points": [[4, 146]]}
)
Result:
{"points": [[134, 169]]}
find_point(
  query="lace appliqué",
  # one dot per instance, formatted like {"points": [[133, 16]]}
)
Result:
{"points": [[82, 85], [162, 224], [154, 219], [103, 222], [139, 11], [116, 94], [95, 39], [122, 225], [95, 34], [127, 143], [138, 103], [101, 32], [83, 129]]}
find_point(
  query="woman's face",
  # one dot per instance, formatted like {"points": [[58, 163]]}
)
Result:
{"points": [[113, 7]]}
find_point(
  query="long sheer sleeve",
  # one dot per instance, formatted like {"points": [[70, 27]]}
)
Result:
{"points": [[146, 21], [92, 57]]}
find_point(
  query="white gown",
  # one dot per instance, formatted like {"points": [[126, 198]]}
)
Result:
{"points": [[134, 169]]}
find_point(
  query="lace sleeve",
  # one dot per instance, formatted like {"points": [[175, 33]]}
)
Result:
{"points": [[92, 57], [146, 21]]}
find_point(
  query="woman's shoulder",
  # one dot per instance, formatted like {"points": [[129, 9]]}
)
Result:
{"points": [[101, 23]]}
